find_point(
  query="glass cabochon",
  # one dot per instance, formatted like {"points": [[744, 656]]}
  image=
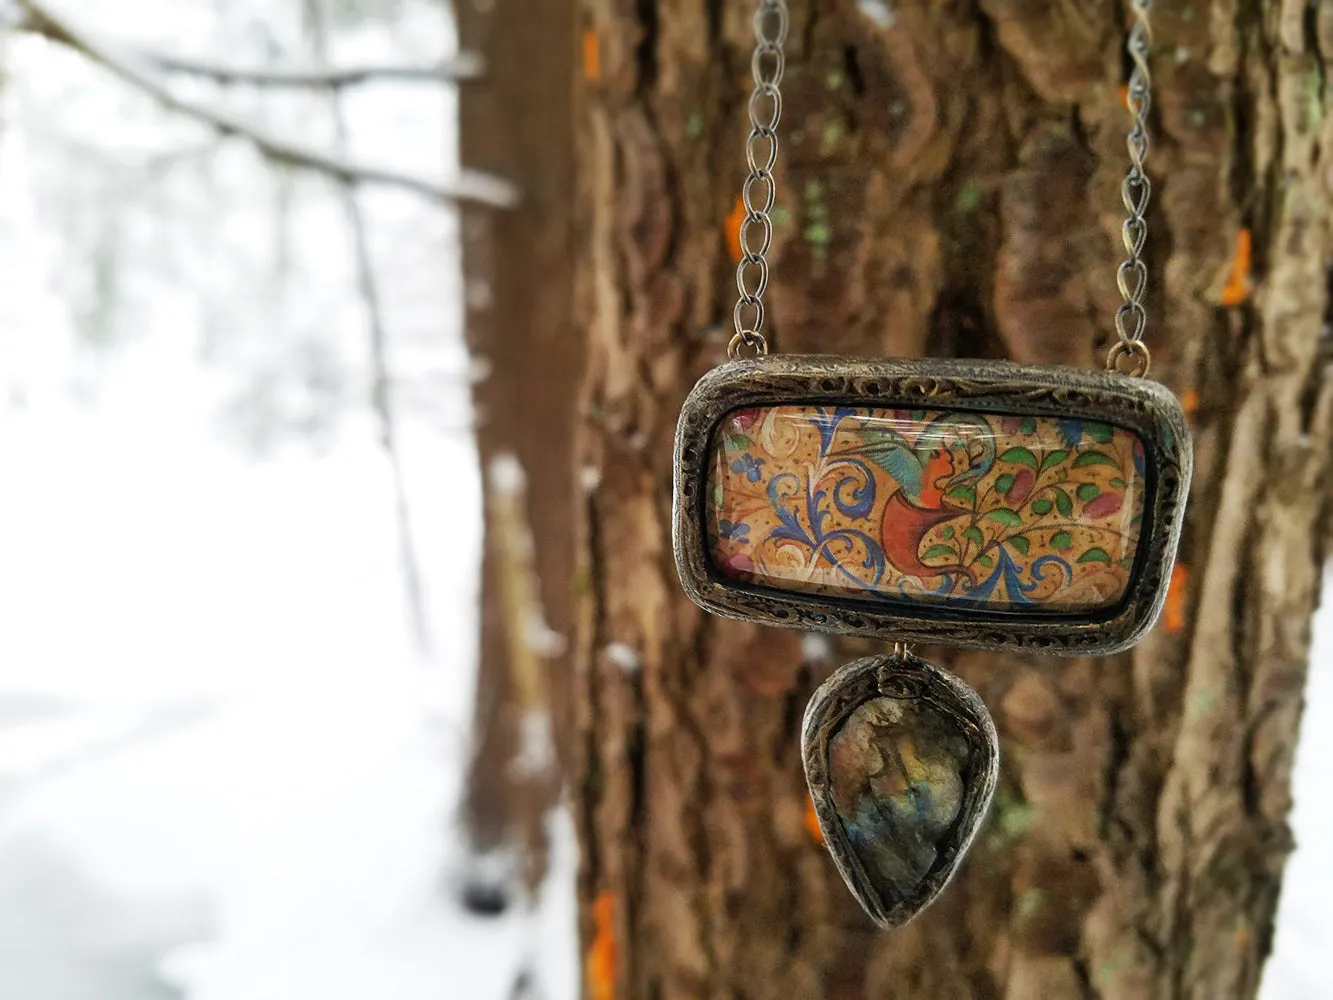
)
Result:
{"points": [[926, 507]]}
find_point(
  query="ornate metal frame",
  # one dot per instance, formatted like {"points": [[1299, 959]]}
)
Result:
{"points": [[1144, 407], [898, 675]]}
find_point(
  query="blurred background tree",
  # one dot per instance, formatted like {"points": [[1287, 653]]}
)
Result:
{"points": [[519, 294]]}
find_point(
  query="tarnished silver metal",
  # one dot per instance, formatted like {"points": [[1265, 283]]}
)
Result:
{"points": [[1137, 405], [761, 155], [1131, 319], [906, 679], [1135, 352]]}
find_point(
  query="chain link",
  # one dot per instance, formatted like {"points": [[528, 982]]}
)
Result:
{"points": [[759, 191], [1131, 319]]}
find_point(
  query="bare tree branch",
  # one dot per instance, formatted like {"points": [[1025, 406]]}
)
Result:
{"points": [[381, 381], [469, 187], [465, 67]]}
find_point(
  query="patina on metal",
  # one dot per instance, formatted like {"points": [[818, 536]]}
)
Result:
{"points": [[1143, 409], [902, 760]]}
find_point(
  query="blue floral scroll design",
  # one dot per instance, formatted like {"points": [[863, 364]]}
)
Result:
{"points": [[1039, 567], [858, 489], [943, 590], [827, 424], [1008, 571], [749, 466], [1071, 431], [787, 486], [736, 531]]}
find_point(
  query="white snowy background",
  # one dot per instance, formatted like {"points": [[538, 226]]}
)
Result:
{"points": [[225, 771]]}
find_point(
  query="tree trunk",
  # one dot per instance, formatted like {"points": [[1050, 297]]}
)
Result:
{"points": [[519, 277], [949, 184]]}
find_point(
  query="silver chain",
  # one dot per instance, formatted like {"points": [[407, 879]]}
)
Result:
{"points": [[770, 31], [1131, 319], [767, 65]]}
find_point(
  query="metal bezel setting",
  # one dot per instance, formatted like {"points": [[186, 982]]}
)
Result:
{"points": [[898, 675], [1138, 405]]}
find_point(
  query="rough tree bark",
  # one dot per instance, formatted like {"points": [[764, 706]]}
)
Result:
{"points": [[949, 183], [518, 271]]}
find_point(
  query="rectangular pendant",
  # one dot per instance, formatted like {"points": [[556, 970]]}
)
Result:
{"points": [[979, 503]]}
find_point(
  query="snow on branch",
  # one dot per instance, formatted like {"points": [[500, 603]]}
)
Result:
{"points": [[469, 187], [462, 68]]}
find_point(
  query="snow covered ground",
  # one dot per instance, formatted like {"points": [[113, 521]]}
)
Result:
{"points": [[225, 773], [219, 758]]}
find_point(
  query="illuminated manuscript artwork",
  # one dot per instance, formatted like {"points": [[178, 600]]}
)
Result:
{"points": [[927, 506]]}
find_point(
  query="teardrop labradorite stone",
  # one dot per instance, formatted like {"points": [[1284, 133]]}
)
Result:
{"points": [[898, 768]]}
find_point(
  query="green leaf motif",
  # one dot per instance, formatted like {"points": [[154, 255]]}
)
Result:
{"points": [[974, 534], [1042, 507], [1063, 504], [1088, 491], [737, 442], [947, 533], [1004, 484], [1118, 483], [1094, 458], [1022, 456], [935, 551], [986, 561], [918, 416], [1101, 433], [1095, 555], [967, 493], [1062, 540], [1054, 459], [1020, 543], [1005, 516], [1028, 426]]}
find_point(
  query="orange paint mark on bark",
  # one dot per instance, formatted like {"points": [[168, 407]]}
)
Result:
{"points": [[1189, 402], [733, 228], [601, 963], [1124, 95], [1239, 285], [1244, 938], [592, 56], [812, 826], [1173, 615]]}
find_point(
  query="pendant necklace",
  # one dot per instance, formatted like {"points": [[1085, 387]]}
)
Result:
{"points": [[975, 503]]}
